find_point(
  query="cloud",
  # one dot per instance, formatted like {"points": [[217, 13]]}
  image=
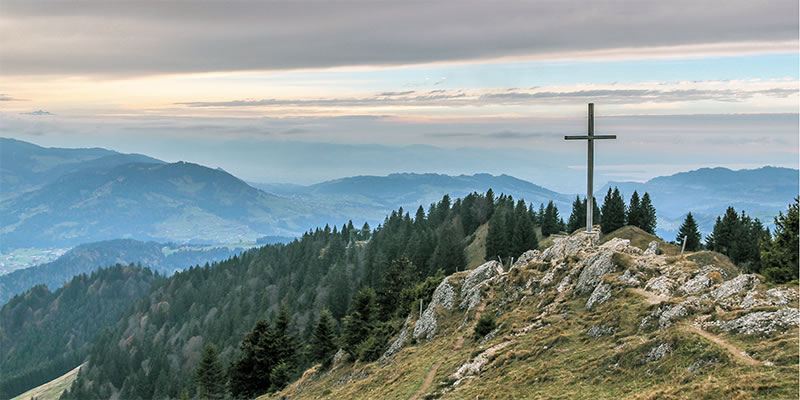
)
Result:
{"points": [[513, 135], [134, 38], [5, 97], [725, 92], [37, 113], [628, 96]]}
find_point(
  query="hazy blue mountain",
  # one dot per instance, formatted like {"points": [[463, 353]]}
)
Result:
{"points": [[165, 202], [707, 192], [372, 197], [25, 166], [86, 258]]}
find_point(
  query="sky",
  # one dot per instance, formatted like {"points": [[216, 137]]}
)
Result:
{"points": [[306, 91]]}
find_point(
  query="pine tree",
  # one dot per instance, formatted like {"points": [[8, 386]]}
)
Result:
{"points": [[779, 254], [495, 237], [647, 215], [209, 375], [358, 325], [577, 218], [635, 210], [323, 344], [524, 238], [613, 211], [688, 232], [550, 220]]}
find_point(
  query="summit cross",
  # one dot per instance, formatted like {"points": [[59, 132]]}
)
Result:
{"points": [[590, 138]]}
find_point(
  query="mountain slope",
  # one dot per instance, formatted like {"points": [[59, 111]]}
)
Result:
{"points": [[585, 320], [167, 202], [25, 166], [707, 192], [44, 334], [86, 258]]}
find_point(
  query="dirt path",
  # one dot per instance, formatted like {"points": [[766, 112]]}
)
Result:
{"points": [[426, 384], [737, 352]]}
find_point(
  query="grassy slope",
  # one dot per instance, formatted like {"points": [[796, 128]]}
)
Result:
{"points": [[560, 361], [476, 250], [51, 390]]}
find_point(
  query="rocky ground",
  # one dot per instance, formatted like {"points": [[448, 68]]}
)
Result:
{"points": [[587, 319]]}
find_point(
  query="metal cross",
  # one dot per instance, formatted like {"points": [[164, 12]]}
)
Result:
{"points": [[590, 138]]}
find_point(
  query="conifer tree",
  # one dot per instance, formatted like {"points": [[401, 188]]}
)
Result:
{"points": [[577, 218], [524, 237], [635, 210], [550, 220], [209, 375], [688, 232], [779, 254], [323, 344], [613, 211], [647, 215], [495, 237]]}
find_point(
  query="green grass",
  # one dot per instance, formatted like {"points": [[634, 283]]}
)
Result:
{"points": [[51, 390]]}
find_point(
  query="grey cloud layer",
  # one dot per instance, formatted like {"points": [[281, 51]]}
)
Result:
{"points": [[513, 97], [136, 37]]}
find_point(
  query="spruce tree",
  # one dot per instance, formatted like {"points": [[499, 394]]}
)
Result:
{"points": [[550, 220], [495, 237], [647, 215], [779, 254], [688, 232], [524, 237], [577, 219], [209, 376], [613, 211], [635, 210], [323, 346]]}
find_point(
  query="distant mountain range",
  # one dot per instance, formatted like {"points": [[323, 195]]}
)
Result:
{"points": [[372, 197], [707, 192], [25, 166], [63, 197], [86, 258]]}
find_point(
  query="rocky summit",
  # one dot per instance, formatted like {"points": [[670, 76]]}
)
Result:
{"points": [[586, 318]]}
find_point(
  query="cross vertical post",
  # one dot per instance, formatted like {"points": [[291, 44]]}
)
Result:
{"points": [[590, 138], [590, 171]]}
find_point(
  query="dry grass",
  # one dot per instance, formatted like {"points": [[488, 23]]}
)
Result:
{"points": [[476, 250], [560, 361], [51, 390]]}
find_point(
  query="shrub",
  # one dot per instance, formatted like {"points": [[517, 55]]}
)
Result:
{"points": [[485, 325]]}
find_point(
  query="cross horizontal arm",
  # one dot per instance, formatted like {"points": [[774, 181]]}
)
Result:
{"points": [[585, 137]]}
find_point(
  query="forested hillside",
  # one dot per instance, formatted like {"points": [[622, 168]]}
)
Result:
{"points": [[44, 334], [157, 345], [86, 258]]}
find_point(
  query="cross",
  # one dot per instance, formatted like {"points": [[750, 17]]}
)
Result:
{"points": [[590, 138]]}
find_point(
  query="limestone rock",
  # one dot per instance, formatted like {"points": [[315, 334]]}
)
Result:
{"points": [[778, 296], [697, 284], [658, 352], [660, 285], [671, 313], [599, 296], [652, 248], [628, 278], [761, 322], [597, 266], [470, 289], [474, 366], [737, 285], [570, 245], [444, 296], [397, 345], [597, 331], [526, 258]]}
